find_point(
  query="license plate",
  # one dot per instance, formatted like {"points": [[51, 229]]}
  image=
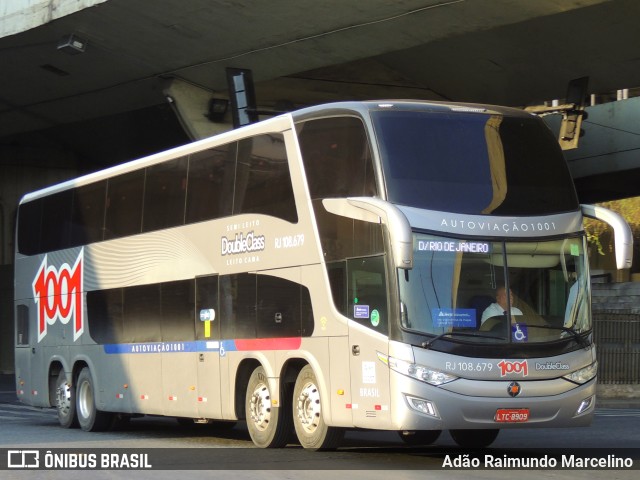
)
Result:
{"points": [[512, 415]]}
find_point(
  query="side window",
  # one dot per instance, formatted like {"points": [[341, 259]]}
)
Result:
{"points": [[29, 224], [258, 306], [210, 183], [66, 219], [337, 158], [279, 307], [142, 313], [177, 310], [306, 312], [105, 316], [263, 182], [87, 217], [367, 292], [337, 272], [124, 205], [56, 221], [238, 306], [165, 191]]}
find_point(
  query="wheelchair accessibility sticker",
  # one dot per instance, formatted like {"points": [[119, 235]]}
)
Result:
{"points": [[519, 332]]}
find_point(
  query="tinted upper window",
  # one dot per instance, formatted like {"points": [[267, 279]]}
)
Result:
{"points": [[87, 217], [210, 188], [473, 163], [263, 183], [337, 158], [165, 190], [249, 176], [124, 205], [56, 225], [29, 227]]}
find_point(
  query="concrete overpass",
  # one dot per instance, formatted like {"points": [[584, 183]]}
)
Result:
{"points": [[69, 105], [99, 106], [606, 165]]}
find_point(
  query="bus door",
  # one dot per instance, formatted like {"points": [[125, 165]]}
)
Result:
{"points": [[28, 359], [209, 349], [368, 337]]}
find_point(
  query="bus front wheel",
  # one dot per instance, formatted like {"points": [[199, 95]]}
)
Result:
{"points": [[313, 433], [66, 402], [89, 417], [269, 426]]}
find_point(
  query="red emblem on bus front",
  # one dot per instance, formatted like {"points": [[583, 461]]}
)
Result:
{"points": [[507, 367], [58, 294]]}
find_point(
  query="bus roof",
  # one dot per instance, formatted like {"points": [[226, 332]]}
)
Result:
{"points": [[272, 124], [359, 108], [362, 108]]}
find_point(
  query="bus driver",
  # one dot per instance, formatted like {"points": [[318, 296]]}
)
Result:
{"points": [[499, 307]]}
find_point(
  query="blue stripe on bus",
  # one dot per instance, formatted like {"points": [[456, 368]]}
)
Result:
{"points": [[164, 347], [221, 346]]}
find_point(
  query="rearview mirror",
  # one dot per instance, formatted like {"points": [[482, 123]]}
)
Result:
{"points": [[374, 210], [623, 237]]}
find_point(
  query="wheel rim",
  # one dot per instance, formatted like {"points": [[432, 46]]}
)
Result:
{"points": [[85, 399], [308, 408], [63, 397], [260, 407]]}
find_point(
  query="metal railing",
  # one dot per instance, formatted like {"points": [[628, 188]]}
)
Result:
{"points": [[617, 337]]}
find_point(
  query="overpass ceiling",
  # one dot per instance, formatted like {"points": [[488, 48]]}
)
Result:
{"points": [[307, 51]]}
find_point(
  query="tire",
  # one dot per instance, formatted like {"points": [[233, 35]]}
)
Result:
{"points": [[66, 402], [89, 417], [419, 437], [474, 438], [312, 431], [269, 426]]}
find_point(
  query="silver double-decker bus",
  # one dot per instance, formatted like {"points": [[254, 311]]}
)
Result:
{"points": [[394, 265]]}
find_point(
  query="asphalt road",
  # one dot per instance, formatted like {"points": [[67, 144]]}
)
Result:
{"points": [[199, 451]]}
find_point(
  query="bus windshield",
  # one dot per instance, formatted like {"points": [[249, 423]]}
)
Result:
{"points": [[496, 291], [473, 163]]}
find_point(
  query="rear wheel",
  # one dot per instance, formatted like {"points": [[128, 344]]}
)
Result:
{"points": [[419, 437], [313, 433], [89, 417], [269, 426], [474, 438], [66, 402]]}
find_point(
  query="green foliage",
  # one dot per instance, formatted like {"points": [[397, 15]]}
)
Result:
{"points": [[629, 208]]}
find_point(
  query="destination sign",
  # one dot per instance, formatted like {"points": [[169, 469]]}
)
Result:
{"points": [[453, 246]]}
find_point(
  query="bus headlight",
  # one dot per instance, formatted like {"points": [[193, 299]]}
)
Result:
{"points": [[583, 375], [585, 405], [420, 372], [422, 405]]}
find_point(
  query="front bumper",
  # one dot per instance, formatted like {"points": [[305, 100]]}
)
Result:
{"points": [[473, 404]]}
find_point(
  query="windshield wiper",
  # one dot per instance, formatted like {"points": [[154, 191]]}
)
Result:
{"points": [[579, 338], [431, 341]]}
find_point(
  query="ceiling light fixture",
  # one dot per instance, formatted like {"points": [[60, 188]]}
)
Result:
{"points": [[72, 44]]}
